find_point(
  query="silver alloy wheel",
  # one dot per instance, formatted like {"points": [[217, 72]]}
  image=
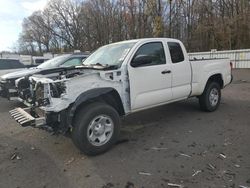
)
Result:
{"points": [[214, 96], [100, 130]]}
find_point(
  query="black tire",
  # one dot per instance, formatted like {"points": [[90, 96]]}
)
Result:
{"points": [[82, 121], [204, 99]]}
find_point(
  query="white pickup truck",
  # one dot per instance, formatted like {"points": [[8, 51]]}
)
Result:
{"points": [[116, 80]]}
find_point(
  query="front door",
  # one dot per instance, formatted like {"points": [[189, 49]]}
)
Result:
{"points": [[150, 81]]}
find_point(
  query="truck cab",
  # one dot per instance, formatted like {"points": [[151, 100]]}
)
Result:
{"points": [[159, 72]]}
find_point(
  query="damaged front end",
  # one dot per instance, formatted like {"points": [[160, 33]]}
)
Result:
{"points": [[51, 95], [36, 94]]}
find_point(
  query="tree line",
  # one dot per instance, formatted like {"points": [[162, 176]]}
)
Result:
{"points": [[67, 25]]}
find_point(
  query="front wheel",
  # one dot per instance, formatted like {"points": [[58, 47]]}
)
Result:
{"points": [[96, 128], [210, 98]]}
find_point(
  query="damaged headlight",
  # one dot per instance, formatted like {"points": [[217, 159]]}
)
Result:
{"points": [[57, 89], [41, 94], [22, 83], [23, 87], [44, 90]]}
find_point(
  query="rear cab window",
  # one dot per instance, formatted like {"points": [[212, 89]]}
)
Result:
{"points": [[176, 52]]}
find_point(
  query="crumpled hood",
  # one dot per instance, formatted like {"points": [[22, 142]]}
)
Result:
{"points": [[21, 73], [84, 75]]}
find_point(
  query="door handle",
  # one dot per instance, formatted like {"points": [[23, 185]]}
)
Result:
{"points": [[166, 72]]}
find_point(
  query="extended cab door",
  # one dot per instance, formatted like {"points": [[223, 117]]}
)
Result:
{"points": [[149, 76], [181, 70]]}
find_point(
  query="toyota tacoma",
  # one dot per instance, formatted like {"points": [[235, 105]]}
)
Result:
{"points": [[116, 80]]}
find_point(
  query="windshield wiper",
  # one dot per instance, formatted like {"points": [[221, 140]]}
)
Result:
{"points": [[110, 67], [101, 66]]}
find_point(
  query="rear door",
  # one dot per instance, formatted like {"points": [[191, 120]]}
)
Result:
{"points": [[181, 70], [150, 83]]}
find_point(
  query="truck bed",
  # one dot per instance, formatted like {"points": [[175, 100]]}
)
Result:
{"points": [[202, 69]]}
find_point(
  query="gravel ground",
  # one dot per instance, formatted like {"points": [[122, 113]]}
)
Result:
{"points": [[176, 144]]}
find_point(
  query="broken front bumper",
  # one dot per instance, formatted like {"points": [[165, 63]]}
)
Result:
{"points": [[39, 118], [24, 118]]}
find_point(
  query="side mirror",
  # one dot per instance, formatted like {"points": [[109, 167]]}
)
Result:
{"points": [[140, 60]]}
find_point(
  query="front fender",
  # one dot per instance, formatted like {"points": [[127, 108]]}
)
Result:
{"points": [[85, 96]]}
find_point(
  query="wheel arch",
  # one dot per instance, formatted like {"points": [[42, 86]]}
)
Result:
{"points": [[107, 95], [218, 78]]}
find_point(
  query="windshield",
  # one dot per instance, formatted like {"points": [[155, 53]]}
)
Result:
{"points": [[110, 55], [53, 63]]}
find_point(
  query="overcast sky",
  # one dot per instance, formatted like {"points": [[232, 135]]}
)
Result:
{"points": [[12, 13]]}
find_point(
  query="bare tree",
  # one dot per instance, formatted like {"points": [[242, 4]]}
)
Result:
{"points": [[65, 25]]}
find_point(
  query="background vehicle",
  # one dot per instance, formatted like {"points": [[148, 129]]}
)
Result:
{"points": [[10, 65], [33, 61], [7, 81], [39, 60], [116, 80]]}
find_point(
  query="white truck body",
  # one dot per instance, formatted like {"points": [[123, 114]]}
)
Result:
{"points": [[148, 87], [89, 99]]}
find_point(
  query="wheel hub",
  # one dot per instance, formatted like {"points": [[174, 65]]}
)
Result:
{"points": [[214, 97], [100, 130]]}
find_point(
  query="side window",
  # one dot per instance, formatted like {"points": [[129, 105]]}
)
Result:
{"points": [[40, 61], [72, 62], [176, 52], [149, 54]]}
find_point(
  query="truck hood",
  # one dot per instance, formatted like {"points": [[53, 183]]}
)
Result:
{"points": [[21, 73], [57, 75]]}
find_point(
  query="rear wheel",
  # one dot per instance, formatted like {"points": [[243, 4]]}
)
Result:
{"points": [[210, 98], [96, 128]]}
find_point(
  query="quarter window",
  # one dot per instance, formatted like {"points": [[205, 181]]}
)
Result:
{"points": [[176, 52]]}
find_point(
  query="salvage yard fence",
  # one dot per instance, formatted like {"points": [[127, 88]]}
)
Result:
{"points": [[239, 58]]}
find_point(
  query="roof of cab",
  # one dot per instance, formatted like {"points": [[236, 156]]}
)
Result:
{"points": [[143, 39]]}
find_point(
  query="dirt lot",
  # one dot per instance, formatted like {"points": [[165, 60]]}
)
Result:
{"points": [[176, 143]]}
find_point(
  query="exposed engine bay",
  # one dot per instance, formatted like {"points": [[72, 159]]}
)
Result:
{"points": [[32, 89]]}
